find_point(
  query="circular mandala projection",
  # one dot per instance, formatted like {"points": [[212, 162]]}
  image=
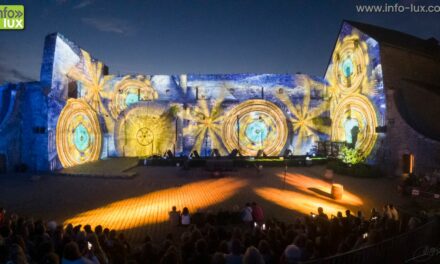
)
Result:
{"points": [[144, 129], [129, 91], [78, 134], [261, 126], [355, 122], [350, 61]]}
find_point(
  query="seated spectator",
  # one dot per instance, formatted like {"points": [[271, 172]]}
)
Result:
{"points": [[185, 217], [174, 216], [235, 257], [291, 255], [72, 255], [252, 256]]}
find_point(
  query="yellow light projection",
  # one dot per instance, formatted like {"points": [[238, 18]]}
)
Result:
{"points": [[205, 122], [93, 81], [255, 125], [319, 188], [153, 208], [303, 120], [299, 202], [355, 111], [78, 134], [130, 90], [350, 61], [145, 129]]}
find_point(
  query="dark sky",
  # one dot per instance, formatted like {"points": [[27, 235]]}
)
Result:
{"points": [[197, 36]]}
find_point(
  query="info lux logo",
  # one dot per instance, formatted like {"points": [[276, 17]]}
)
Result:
{"points": [[11, 17]]}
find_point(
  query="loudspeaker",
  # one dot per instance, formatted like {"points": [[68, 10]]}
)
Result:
{"points": [[215, 153], [261, 153], [381, 129], [287, 153], [194, 154], [169, 154], [234, 153]]}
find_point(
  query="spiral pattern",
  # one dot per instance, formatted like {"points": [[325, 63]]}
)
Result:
{"points": [[78, 134]]}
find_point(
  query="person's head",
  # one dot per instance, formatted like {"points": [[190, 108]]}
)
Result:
{"points": [[264, 247], [174, 208], [98, 230], [171, 256], [254, 204], [359, 214], [17, 254], [292, 254], [71, 251], [185, 211], [347, 212], [252, 256], [223, 247], [218, 258], [88, 229], [235, 247], [320, 210], [391, 206], [201, 246], [248, 204], [51, 258]]}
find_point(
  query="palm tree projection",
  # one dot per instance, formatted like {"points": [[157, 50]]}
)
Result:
{"points": [[206, 122], [305, 121], [92, 78]]}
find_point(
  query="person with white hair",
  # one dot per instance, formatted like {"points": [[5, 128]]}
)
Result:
{"points": [[291, 255]]}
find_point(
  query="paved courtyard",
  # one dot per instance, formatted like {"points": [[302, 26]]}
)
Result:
{"points": [[139, 205]]}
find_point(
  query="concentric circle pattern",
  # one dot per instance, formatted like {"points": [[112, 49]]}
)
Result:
{"points": [[78, 134], [255, 125], [350, 61], [129, 91], [143, 130], [355, 117]]}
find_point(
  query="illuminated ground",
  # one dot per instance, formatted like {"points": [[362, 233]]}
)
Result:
{"points": [[140, 205]]}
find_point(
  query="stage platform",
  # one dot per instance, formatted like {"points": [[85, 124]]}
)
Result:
{"points": [[107, 168], [140, 206]]}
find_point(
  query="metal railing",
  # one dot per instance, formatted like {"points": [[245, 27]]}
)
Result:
{"points": [[417, 245]]}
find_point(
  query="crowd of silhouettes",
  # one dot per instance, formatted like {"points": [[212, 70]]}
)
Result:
{"points": [[235, 236]]}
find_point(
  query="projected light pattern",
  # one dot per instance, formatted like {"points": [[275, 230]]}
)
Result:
{"points": [[145, 129], [153, 208], [204, 123], [299, 202], [78, 134], [355, 121], [355, 91], [255, 125], [304, 119], [350, 60], [91, 76], [319, 188], [129, 91]]}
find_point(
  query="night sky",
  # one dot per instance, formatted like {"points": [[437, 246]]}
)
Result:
{"points": [[197, 36]]}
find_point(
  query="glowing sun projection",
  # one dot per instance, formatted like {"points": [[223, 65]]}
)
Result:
{"points": [[78, 134], [305, 119], [91, 75], [354, 122], [152, 208], [255, 125], [205, 122], [130, 90], [145, 129]]}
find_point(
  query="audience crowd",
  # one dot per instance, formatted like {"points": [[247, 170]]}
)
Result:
{"points": [[236, 236]]}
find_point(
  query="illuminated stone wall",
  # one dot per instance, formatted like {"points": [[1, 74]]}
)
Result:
{"points": [[91, 115], [356, 92]]}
